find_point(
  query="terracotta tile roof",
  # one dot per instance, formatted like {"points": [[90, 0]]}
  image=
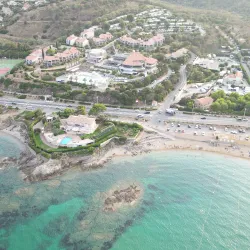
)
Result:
{"points": [[137, 59], [72, 37], [81, 39], [204, 101]]}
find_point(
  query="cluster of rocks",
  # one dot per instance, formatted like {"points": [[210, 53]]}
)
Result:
{"points": [[7, 161], [127, 195]]}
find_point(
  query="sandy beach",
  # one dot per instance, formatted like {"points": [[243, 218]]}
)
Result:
{"points": [[147, 141]]}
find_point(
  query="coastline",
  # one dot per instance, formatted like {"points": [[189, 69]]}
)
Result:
{"points": [[177, 145], [35, 168], [23, 146]]}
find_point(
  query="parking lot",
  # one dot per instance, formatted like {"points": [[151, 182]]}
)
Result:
{"points": [[217, 132]]}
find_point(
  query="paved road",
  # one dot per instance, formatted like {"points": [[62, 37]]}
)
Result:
{"points": [[56, 106], [174, 95], [160, 80]]}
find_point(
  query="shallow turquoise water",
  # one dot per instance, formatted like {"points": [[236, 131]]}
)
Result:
{"points": [[191, 200]]}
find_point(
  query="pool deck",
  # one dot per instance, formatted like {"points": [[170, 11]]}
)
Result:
{"points": [[55, 141]]}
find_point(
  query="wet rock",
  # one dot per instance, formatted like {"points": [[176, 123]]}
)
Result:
{"points": [[127, 195]]}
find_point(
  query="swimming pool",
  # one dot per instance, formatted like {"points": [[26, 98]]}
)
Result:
{"points": [[65, 140]]}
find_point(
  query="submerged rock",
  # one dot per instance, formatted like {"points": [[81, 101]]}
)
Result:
{"points": [[122, 196]]}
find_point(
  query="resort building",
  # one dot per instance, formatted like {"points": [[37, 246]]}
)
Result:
{"points": [[37, 56], [149, 44], [34, 57], [65, 56], [234, 79], [204, 102], [136, 63], [80, 124], [102, 39], [71, 40], [82, 42], [89, 33], [96, 55]]}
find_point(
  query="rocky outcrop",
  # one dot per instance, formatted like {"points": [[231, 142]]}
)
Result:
{"points": [[7, 161], [122, 196]]}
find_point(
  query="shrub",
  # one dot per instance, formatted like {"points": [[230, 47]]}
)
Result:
{"points": [[22, 96]]}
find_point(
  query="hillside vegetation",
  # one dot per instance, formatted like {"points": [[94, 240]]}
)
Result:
{"points": [[241, 7], [67, 17]]}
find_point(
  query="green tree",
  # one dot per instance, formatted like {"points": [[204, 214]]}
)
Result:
{"points": [[218, 94], [105, 26], [97, 108], [130, 18], [81, 110]]}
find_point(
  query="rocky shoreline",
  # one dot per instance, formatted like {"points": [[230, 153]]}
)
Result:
{"points": [[36, 168]]}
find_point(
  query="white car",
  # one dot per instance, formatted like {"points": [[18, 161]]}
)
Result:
{"points": [[247, 138], [234, 132], [226, 129], [214, 128], [203, 133], [172, 124]]}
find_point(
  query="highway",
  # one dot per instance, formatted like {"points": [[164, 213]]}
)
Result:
{"points": [[49, 106]]}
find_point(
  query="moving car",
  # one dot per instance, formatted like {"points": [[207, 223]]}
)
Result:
{"points": [[203, 118], [147, 112]]}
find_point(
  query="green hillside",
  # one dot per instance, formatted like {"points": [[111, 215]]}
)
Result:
{"points": [[241, 7]]}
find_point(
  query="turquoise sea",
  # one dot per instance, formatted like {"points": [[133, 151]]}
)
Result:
{"points": [[191, 200]]}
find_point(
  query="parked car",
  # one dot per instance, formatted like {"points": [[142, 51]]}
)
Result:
{"points": [[203, 133], [189, 126]]}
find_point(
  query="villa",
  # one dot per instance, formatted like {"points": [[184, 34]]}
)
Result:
{"points": [[204, 102], [235, 79], [80, 124], [34, 57], [71, 40], [102, 39], [151, 43], [82, 42], [89, 33], [136, 63]]}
